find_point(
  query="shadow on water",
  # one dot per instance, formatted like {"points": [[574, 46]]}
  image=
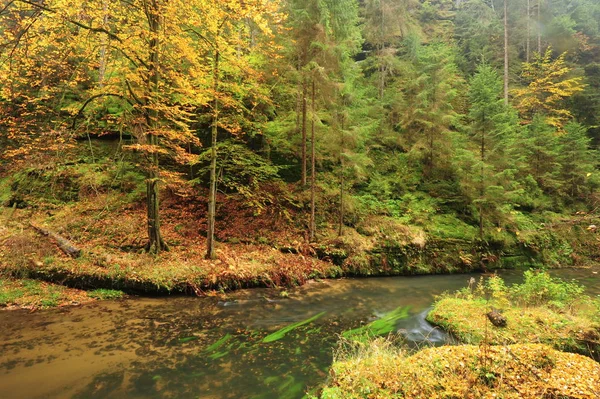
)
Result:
{"points": [[250, 344]]}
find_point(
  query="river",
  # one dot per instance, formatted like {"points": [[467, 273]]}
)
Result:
{"points": [[214, 347]]}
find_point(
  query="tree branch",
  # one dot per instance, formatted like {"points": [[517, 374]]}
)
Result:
{"points": [[76, 23], [92, 98]]}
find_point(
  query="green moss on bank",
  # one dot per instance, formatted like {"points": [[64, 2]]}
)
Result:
{"points": [[33, 294], [541, 310]]}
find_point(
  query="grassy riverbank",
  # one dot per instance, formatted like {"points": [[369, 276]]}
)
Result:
{"points": [[33, 294], [261, 240], [545, 318], [113, 257], [541, 310]]}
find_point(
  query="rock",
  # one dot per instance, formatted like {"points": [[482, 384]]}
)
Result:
{"points": [[496, 318]]}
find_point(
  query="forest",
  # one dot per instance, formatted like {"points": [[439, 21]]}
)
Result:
{"points": [[199, 147], [367, 133]]}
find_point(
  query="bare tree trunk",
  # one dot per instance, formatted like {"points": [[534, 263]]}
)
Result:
{"points": [[382, 69], [105, 39], [342, 143], [312, 226], [482, 186], [212, 195], [304, 134], [528, 41], [506, 52], [539, 27], [155, 242]]}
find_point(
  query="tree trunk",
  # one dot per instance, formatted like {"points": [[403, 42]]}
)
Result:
{"points": [[155, 240], [64, 244], [312, 170], [341, 221], [212, 195], [506, 52], [482, 186], [539, 27], [528, 41], [431, 145], [105, 39], [304, 134]]}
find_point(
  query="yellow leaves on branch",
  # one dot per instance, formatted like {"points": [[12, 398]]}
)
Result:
{"points": [[548, 85]]}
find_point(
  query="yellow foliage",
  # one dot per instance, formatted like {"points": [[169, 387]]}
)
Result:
{"points": [[526, 371], [548, 85]]}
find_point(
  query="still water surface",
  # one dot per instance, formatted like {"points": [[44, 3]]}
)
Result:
{"points": [[182, 347]]}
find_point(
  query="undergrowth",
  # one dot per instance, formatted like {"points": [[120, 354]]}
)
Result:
{"points": [[541, 309], [524, 371]]}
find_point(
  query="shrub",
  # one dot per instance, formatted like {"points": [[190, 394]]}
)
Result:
{"points": [[540, 288]]}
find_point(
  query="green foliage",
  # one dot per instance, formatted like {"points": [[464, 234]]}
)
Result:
{"points": [[449, 226], [104, 294], [382, 326], [241, 170], [577, 163], [5, 192], [541, 288]]}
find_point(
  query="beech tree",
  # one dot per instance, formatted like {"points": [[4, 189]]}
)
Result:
{"points": [[548, 85], [228, 27]]}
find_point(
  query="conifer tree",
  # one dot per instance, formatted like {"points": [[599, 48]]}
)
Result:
{"points": [[430, 104], [491, 124], [577, 162]]}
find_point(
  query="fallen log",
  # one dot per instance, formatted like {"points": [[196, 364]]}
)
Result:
{"points": [[65, 245]]}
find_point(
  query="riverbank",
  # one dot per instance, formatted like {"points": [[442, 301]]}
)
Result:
{"points": [[514, 344], [542, 309], [258, 245], [33, 294], [524, 371], [112, 256]]}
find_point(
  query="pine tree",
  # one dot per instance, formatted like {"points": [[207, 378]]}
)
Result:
{"points": [[487, 114], [430, 101], [577, 162]]}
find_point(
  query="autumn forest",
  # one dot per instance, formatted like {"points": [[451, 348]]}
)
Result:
{"points": [[198, 147]]}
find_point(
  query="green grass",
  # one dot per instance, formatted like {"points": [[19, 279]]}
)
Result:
{"points": [[104, 294], [541, 310], [32, 294]]}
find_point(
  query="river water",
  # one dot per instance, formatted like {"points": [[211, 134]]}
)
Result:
{"points": [[215, 347]]}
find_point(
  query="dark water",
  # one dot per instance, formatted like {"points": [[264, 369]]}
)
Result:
{"points": [[181, 347]]}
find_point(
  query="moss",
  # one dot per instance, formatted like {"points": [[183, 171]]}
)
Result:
{"points": [[25, 293], [102, 293], [526, 371], [542, 309]]}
